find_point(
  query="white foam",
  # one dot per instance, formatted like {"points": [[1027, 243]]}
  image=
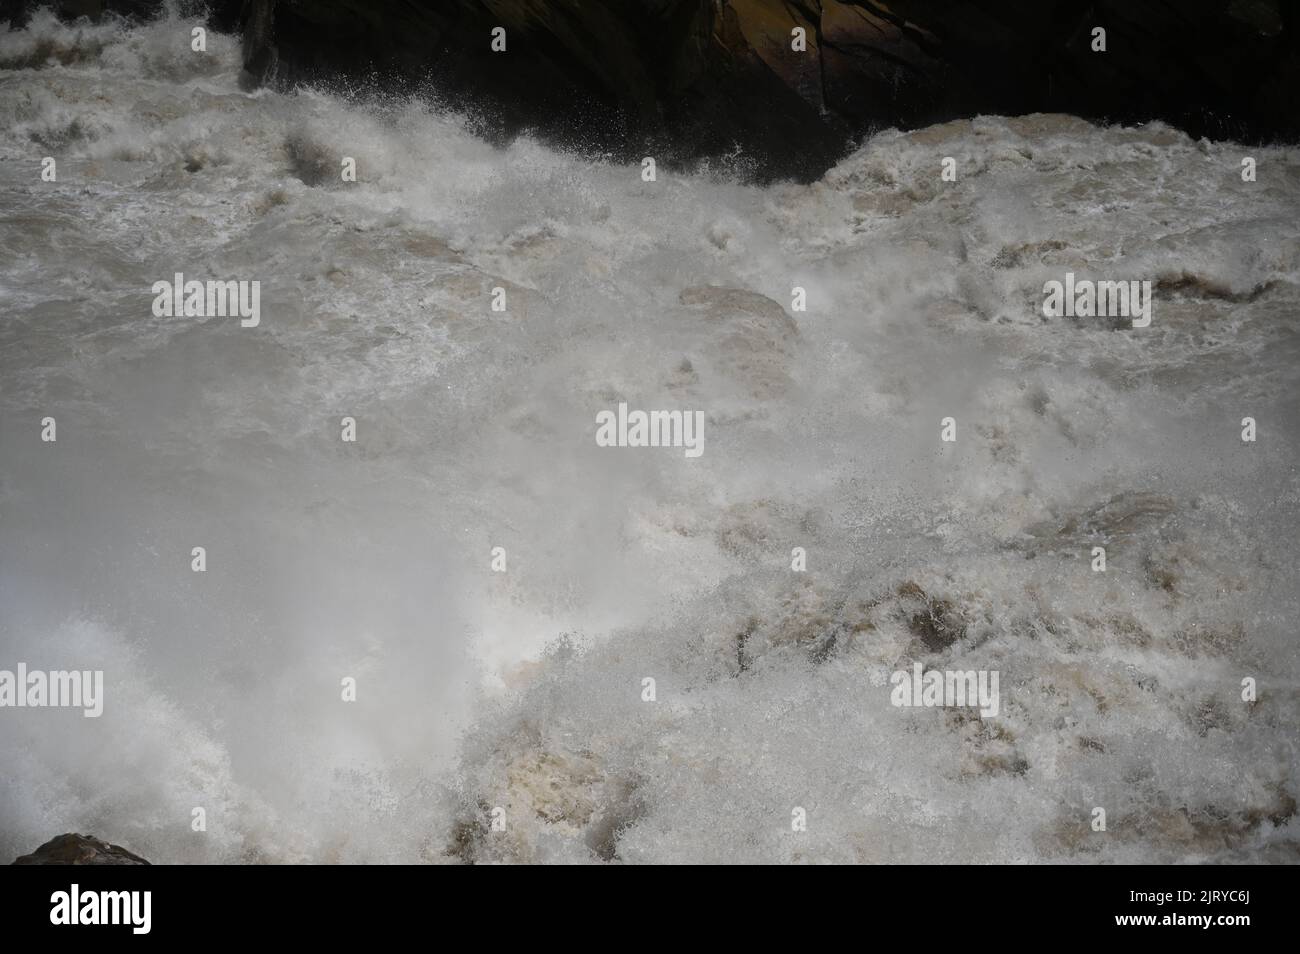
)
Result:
{"points": [[475, 430]]}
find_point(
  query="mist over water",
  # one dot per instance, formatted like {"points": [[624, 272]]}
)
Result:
{"points": [[476, 430]]}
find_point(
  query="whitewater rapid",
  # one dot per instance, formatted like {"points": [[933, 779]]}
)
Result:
{"points": [[523, 690]]}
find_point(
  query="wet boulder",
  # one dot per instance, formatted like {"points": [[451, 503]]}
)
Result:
{"points": [[73, 849]]}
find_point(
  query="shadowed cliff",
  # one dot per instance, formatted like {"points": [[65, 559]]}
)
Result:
{"points": [[687, 80]]}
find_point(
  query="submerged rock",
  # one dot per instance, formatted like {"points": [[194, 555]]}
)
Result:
{"points": [[72, 849], [749, 336]]}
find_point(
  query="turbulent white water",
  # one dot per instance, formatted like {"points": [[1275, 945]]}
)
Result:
{"points": [[476, 429]]}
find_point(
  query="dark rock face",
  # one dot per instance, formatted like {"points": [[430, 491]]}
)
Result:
{"points": [[73, 849], [17, 11], [690, 79], [686, 79]]}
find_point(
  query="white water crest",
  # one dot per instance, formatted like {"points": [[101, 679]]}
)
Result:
{"points": [[476, 429]]}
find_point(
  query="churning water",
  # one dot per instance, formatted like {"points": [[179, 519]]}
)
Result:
{"points": [[476, 429]]}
